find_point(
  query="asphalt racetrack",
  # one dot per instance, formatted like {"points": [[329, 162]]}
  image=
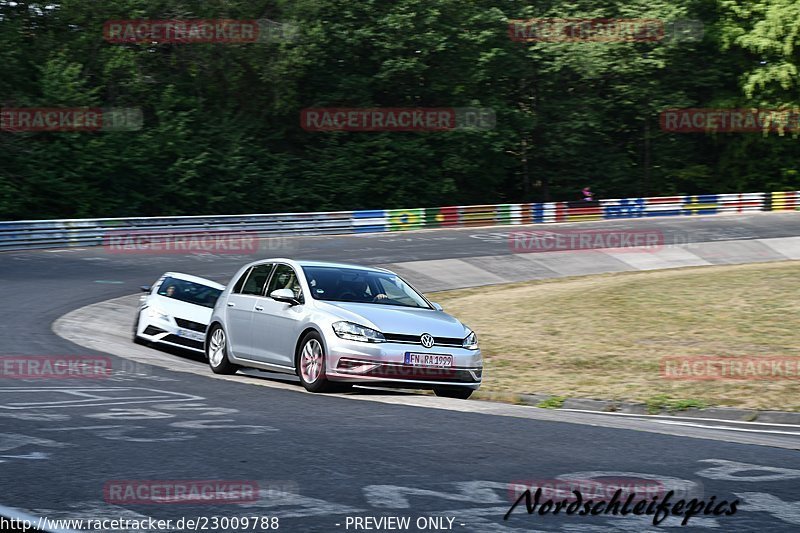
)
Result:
{"points": [[327, 463]]}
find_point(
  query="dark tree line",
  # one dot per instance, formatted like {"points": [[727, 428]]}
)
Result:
{"points": [[221, 128]]}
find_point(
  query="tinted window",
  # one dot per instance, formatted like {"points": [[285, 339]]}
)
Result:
{"points": [[257, 279], [239, 284], [285, 278], [188, 291], [335, 284]]}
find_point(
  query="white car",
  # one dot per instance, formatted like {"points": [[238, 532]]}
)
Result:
{"points": [[176, 311]]}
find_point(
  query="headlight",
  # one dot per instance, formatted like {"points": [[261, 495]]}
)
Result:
{"points": [[471, 341], [354, 332], [158, 313]]}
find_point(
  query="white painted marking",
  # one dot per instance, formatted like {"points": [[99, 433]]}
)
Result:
{"points": [[679, 485], [121, 433], [93, 396], [728, 428], [760, 501], [671, 417], [726, 469], [215, 424], [80, 428], [298, 506], [12, 441], [118, 413], [204, 409], [46, 417], [396, 497], [33, 455]]}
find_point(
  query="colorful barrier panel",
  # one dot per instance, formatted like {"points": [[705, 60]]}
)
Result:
{"points": [[405, 219], [25, 234]]}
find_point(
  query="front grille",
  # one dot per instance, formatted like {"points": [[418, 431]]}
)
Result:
{"points": [[414, 339], [188, 324], [189, 343], [395, 371], [421, 374]]}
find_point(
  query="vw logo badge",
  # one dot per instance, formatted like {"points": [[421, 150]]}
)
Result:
{"points": [[426, 340]]}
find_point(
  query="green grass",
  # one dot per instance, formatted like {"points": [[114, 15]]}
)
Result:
{"points": [[605, 337], [555, 402], [662, 402]]}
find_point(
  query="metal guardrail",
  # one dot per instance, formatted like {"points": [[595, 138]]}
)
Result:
{"points": [[32, 234]]}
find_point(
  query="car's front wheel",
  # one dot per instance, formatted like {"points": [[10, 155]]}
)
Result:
{"points": [[461, 393], [311, 364], [217, 352]]}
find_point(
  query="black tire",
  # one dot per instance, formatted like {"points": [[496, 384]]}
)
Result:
{"points": [[460, 393], [219, 363], [310, 365]]}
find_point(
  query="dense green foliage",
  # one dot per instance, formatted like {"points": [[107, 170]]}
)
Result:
{"points": [[222, 132]]}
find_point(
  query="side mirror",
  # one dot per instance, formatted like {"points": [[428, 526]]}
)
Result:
{"points": [[284, 295], [145, 288], [436, 306]]}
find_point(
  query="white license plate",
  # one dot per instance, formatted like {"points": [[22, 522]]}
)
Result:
{"points": [[435, 360], [189, 334]]}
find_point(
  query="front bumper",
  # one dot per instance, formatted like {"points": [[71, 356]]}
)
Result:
{"points": [[384, 362], [165, 332]]}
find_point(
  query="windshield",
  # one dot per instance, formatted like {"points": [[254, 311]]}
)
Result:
{"points": [[188, 291], [335, 284]]}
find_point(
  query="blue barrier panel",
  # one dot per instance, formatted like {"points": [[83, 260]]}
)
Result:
{"points": [[626, 208], [537, 213], [369, 221]]}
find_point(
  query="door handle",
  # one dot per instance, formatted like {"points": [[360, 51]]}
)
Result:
{"points": [[259, 308], [231, 304]]}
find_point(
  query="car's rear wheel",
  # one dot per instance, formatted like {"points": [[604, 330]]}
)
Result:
{"points": [[217, 352], [461, 393], [311, 364]]}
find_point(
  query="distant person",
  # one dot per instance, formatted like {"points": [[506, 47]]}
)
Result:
{"points": [[588, 195]]}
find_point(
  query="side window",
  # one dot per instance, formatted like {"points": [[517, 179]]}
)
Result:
{"points": [[157, 285], [257, 279], [239, 284], [285, 278], [394, 292]]}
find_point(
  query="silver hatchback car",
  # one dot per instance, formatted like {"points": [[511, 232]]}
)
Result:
{"points": [[335, 325]]}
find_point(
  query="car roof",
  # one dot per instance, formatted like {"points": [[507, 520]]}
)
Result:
{"points": [[329, 264], [195, 279]]}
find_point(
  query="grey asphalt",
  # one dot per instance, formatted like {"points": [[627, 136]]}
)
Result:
{"points": [[322, 459]]}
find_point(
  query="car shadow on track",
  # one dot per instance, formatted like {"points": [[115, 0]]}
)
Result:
{"points": [[195, 357]]}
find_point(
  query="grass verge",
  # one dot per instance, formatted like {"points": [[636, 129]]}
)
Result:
{"points": [[604, 336]]}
